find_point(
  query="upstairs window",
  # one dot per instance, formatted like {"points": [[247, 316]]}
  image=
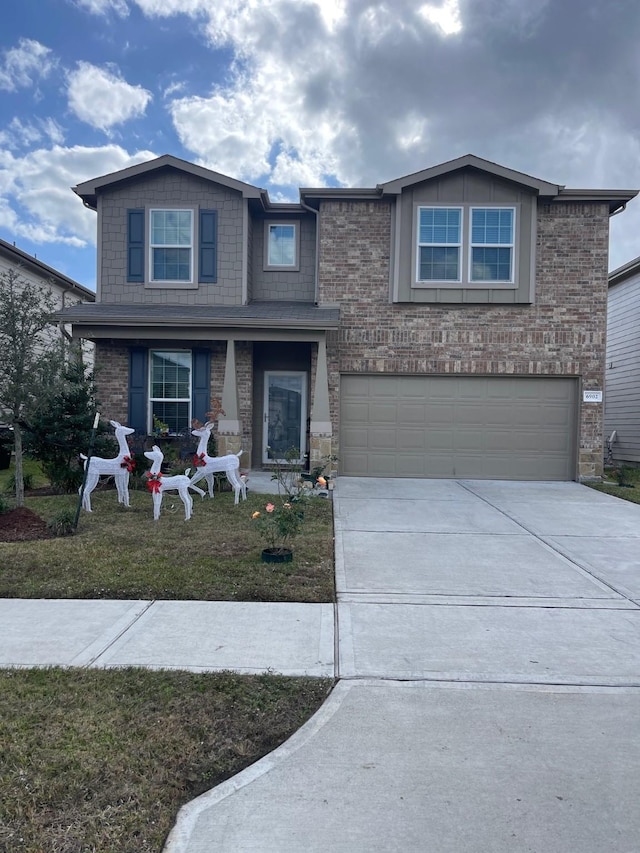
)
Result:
{"points": [[492, 242], [281, 246], [170, 390], [171, 245], [465, 245], [439, 243]]}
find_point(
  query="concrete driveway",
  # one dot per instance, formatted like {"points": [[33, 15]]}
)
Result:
{"points": [[488, 640]]}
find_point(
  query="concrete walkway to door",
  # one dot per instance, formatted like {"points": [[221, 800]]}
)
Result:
{"points": [[489, 693]]}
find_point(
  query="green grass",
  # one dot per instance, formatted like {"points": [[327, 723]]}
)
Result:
{"points": [[610, 486], [102, 760], [122, 553]]}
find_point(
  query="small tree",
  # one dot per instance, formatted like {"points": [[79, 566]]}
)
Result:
{"points": [[60, 426], [25, 313]]}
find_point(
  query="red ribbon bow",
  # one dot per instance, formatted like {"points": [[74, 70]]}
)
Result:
{"points": [[128, 463], [154, 482], [199, 460]]}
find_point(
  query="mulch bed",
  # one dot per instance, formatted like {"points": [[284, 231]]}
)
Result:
{"points": [[22, 525]]}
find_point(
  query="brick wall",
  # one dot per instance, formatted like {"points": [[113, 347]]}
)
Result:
{"points": [[563, 333], [112, 378]]}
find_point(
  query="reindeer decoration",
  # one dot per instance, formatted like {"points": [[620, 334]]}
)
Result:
{"points": [[207, 466], [119, 468], [158, 484]]}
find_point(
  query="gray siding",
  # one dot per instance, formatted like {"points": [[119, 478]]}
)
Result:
{"points": [[296, 286], [465, 187], [170, 188], [622, 377]]}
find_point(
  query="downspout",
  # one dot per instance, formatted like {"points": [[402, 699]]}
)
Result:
{"points": [[316, 213]]}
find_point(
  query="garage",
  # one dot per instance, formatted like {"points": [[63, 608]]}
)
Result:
{"points": [[475, 427]]}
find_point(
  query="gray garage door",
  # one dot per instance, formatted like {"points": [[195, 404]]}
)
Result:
{"points": [[483, 427]]}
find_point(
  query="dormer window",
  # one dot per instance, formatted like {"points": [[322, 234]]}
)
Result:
{"points": [[171, 245]]}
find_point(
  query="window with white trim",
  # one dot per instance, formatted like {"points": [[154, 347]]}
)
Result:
{"points": [[171, 245], [439, 243], [281, 245], [492, 244], [486, 234], [170, 390]]}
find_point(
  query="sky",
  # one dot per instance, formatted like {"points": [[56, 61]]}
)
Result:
{"points": [[290, 93]]}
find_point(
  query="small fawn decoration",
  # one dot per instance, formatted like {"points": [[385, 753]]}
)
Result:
{"points": [[119, 468], [206, 466], [158, 484]]}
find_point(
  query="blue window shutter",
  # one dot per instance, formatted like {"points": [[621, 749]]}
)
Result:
{"points": [[135, 245], [138, 372], [208, 248], [201, 384]]}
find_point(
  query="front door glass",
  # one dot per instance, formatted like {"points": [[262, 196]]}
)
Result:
{"points": [[285, 407]]}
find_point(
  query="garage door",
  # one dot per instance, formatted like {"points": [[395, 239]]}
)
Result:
{"points": [[483, 427]]}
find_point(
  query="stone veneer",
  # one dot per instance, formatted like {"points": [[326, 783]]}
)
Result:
{"points": [[562, 334]]}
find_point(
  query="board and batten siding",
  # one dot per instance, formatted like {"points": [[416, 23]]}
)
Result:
{"points": [[622, 377]]}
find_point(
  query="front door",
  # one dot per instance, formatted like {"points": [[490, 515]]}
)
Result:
{"points": [[285, 414]]}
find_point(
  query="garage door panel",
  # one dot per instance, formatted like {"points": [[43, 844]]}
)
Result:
{"points": [[446, 426], [410, 413], [410, 440]]}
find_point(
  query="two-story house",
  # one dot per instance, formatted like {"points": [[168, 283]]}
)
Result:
{"points": [[445, 324]]}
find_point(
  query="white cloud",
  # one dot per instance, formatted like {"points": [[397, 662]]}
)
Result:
{"points": [[103, 7], [25, 64], [102, 98], [38, 185], [22, 134], [446, 16]]}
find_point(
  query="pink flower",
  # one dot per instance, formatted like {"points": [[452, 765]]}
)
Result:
{"points": [[270, 507]]}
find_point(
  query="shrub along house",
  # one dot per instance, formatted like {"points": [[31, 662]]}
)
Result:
{"points": [[445, 324]]}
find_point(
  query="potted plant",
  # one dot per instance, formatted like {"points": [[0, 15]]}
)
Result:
{"points": [[279, 523]]}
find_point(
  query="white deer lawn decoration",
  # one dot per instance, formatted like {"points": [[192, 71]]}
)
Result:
{"points": [[158, 484], [207, 466], [119, 468]]}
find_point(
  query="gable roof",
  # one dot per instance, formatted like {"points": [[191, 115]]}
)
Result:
{"points": [[470, 160], [88, 190], [23, 259], [616, 199]]}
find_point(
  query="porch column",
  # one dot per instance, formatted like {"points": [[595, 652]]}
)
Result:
{"points": [[229, 427], [320, 430]]}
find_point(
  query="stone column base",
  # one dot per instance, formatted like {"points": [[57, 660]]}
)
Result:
{"points": [[231, 443], [320, 450]]}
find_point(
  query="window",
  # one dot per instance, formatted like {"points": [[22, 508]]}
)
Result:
{"points": [[171, 245], [170, 390], [492, 244], [439, 243], [488, 233], [281, 246], [172, 248]]}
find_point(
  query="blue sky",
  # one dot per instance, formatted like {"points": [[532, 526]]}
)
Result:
{"points": [[289, 93]]}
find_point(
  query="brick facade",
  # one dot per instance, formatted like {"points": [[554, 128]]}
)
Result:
{"points": [[562, 333]]}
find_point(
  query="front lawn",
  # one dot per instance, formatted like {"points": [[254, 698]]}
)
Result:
{"points": [[101, 760], [122, 553]]}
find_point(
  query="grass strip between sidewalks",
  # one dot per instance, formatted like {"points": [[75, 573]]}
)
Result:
{"points": [[101, 760]]}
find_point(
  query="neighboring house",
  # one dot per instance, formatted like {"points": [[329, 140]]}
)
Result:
{"points": [[65, 291], [445, 324], [622, 377]]}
